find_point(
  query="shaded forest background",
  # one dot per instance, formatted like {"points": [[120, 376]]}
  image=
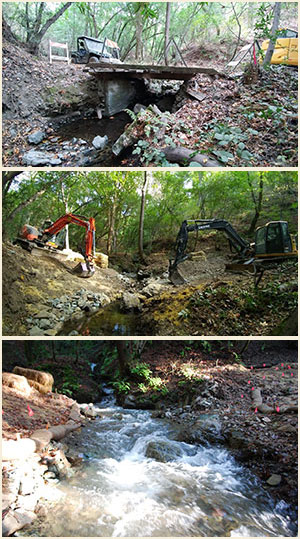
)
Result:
{"points": [[150, 206], [142, 29]]}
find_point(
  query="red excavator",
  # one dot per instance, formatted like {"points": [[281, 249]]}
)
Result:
{"points": [[45, 240]]}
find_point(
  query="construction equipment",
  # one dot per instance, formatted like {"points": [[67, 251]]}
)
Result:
{"points": [[273, 244], [91, 50], [286, 47], [45, 240]]}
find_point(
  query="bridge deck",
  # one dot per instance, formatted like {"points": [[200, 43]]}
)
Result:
{"points": [[131, 71]]}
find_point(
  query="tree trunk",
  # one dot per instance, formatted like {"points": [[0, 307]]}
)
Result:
{"points": [[142, 214], [257, 201], [111, 229], [271, 47], [7, 179], [65, 202], [53, 351], [35, 40], [138, 34], [122, 356], [26, 203], [167, 31], [28, 352]]}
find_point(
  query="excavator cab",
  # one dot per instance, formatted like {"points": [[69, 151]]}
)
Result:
{"points": [[46, 240], [274, 240]]}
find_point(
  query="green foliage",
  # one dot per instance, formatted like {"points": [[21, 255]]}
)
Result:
{"points": [[207, 346], [141, 370], [191, 372], [171, 197], [70, 382], [121, 386]]}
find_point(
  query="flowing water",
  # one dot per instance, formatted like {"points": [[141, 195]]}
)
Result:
{"points": [[122, 492]]}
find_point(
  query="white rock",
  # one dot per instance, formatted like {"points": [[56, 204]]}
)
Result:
{"points": [[100, 142]]}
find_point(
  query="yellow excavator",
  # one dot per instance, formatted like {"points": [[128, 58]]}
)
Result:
{"points": [[286, 47], [273, 245]]}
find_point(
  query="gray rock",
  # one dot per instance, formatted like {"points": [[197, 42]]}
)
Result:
{"points": [[153, 289], [88, 411], [163, 451], [45, 323], [16, 520], [138, 107], [36, 158], [100, 142], [131, 301], [36, 137], [51, 332], [73, 333], [35, 331], [103, 299], [274, 480], [43, 314]]}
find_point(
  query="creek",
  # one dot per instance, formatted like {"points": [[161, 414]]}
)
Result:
{"points": [[109, 320], [121, 490]]}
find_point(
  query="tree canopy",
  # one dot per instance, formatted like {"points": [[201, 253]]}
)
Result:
{"points": [[142, 29], [114, 200]]}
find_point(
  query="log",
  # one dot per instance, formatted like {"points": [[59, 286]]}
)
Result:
{"points": [[23, 448], [180, 155]]}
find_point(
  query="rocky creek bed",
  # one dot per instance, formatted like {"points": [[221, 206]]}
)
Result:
{"points": [[142, 301], [136, 475], [201, 460]]}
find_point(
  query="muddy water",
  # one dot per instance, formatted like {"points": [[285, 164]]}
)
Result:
{"points": [[121, 491], [108, 321], [88, 129]]}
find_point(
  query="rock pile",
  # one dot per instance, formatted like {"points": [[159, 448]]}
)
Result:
{"points": [[49, 320]]}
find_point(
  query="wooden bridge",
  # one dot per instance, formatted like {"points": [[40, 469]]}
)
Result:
{"points": [[109, 71]]}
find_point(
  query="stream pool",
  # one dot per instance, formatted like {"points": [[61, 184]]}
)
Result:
{"points": [[138, 481]]}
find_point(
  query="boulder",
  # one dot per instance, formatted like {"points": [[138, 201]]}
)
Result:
{"points": [[16, 381], [100, 142], [42, 381], [131, 301], [35, 158], [162, 451], [88, 410], [36, 137], [36, 331], [16, 520], [236, 439], [274, 480], [153, 289], [101, 260], [61, 464]]}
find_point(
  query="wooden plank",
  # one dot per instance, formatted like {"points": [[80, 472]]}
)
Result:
{"points": [[111, 75], [153, 68]]}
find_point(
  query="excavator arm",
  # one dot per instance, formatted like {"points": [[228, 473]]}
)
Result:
{"points": [[30, 238], [89, 225], [241, 246]]}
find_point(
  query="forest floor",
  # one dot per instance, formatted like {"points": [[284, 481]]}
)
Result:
{"points": [[212, 378], [250, 121], [212, 302]]}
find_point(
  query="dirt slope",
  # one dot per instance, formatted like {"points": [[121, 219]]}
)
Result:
{"points": [[30, 282]]}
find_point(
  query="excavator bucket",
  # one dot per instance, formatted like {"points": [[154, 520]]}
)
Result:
{"points": [[174, 276], [84, 270]]}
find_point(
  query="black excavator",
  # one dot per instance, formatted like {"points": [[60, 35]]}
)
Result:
{"points": [[273, 245]]}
